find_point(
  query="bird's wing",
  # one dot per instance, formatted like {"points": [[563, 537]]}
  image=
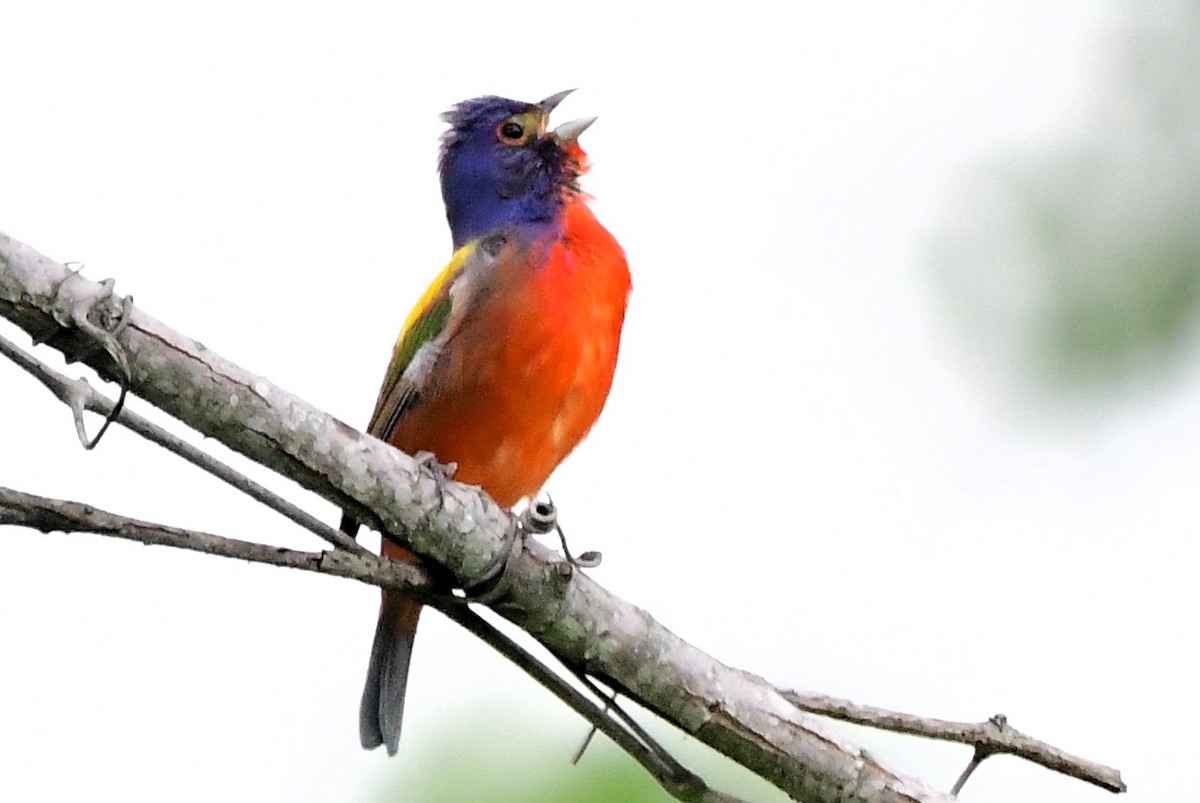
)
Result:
{"points": [[432, 322]]}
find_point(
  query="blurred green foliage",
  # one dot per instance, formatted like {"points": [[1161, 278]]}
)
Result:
{"points": [[525, 757], [1078, 268]]}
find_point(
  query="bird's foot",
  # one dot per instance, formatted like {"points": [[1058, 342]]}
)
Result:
{"points": [[442, 472]]}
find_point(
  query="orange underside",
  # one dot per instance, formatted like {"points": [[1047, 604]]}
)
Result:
{"points": [[526, 376]]}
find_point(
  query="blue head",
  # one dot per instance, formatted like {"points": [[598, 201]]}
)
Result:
{"points": [[500, 166]]}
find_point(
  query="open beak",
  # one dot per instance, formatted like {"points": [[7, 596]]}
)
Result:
{"points": [[567, 132], [551, 103]]}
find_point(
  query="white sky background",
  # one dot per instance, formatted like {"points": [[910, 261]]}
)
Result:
{"points": [[798, 470]]}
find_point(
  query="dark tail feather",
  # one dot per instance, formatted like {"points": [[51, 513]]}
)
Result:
{"points": [[382, 708]]}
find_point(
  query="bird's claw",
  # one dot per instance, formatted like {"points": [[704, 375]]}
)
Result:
{"points": [[441, 471]]}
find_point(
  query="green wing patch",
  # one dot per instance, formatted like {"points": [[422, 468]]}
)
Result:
{"points": [[427, 320]]}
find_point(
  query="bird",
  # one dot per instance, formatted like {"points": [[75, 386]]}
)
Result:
{"points": [[506, 361]]}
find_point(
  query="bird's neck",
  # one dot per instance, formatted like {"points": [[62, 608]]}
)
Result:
{"points": [[473, 215]]}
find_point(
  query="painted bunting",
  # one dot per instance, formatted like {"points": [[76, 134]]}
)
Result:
{"points": [[507, 359]]}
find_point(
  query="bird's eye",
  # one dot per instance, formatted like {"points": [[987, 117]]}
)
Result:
{"points": [[510, 132]]}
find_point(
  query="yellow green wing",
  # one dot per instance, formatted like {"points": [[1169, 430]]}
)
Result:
{"points": [[425, 323]]}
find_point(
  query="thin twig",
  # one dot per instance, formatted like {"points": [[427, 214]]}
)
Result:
{"points": [[676, 779], [991, 737], [58, 515], [976, 759], [78, 393], [611, 703]]}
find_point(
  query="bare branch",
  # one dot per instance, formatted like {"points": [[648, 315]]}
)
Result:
{"points": [[79, 396], [977, 758], [459, 528], [993, 737], [680, 782], [56, 515]]}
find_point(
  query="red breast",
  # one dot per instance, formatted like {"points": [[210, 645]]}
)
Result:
{"points": [[528, 373]]}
